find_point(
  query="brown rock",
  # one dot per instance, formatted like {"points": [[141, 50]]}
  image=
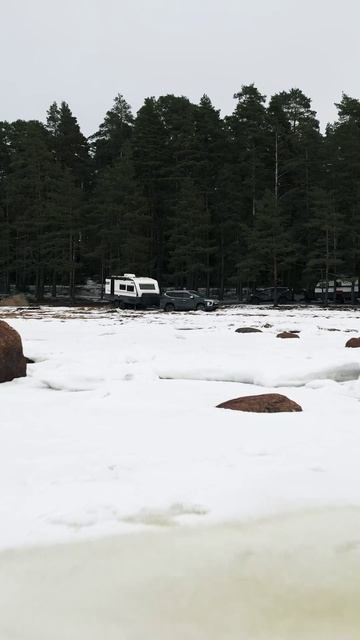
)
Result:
{"points": [[12, 361], [19, 300], [287, 334], [248, 330], [264, 403], [353, 343]]}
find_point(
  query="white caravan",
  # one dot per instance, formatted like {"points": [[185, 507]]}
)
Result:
{"points": [[129, 290], [341, 290]]}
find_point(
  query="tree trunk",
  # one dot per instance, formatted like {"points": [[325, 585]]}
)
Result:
{"points": [[326, 299], [102, 276], [275, 268], [276, 195], [53, 284], [72, 268]]}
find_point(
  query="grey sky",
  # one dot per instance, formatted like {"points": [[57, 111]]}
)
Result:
{"points": [[87, 51]]}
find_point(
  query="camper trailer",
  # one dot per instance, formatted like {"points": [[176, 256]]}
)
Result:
{"points": [[340, 290], [129, 290]]}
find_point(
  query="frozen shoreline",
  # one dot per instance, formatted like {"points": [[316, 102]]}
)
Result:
{"points": [[291, 577], [234, 526], [93, 443]]}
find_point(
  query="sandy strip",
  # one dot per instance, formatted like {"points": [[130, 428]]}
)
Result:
{"points": [[295, 576]]}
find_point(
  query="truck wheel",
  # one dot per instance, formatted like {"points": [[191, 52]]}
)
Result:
{"points": [[122, 305], [169, 307], [200, 307]]}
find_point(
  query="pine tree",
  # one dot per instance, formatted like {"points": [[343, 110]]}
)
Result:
{"points": [[298, 166], [343, 178], [210, 146], [109, 142], [120, 226], [274, 245], [70, 146], [6, 256], [188, 237], [325, 259], [248, 176], [151, 162], [249, 133], [35, 190]]}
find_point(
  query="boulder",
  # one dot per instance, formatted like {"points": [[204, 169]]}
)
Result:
{"points": [[12, 361], [287, 334], [18, 300], [353, 343], [264, 403], [248, 330]]}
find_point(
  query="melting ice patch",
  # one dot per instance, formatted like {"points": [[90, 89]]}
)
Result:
{"points": [[166, 517], [265, 377], [290, 577]]}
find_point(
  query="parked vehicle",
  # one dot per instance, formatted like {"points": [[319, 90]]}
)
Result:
{"points": [[340, 290], [186, 300], [267, 294], [129, 290]]}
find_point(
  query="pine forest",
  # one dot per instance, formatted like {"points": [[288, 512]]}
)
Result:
{"points": [[176, 192]]}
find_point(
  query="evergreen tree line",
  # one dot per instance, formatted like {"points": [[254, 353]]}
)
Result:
{"points": [[178, 193]]}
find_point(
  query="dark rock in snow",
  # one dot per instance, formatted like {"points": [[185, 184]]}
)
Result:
{"points": [[353, 343], [18, 300], [12, 360], [264, 403]]}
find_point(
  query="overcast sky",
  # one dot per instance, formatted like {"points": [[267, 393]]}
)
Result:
{"points": [[87, 51]]}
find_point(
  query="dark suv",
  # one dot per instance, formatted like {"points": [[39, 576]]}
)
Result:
{"points": [[283, 295], [186, 300]]}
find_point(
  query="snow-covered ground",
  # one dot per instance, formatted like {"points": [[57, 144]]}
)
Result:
{"points": [[115, 431], [116, 428]]}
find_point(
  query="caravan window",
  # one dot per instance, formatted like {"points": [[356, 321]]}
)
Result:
{"points": [[147, 287], [122, 287], [130, 287]]}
